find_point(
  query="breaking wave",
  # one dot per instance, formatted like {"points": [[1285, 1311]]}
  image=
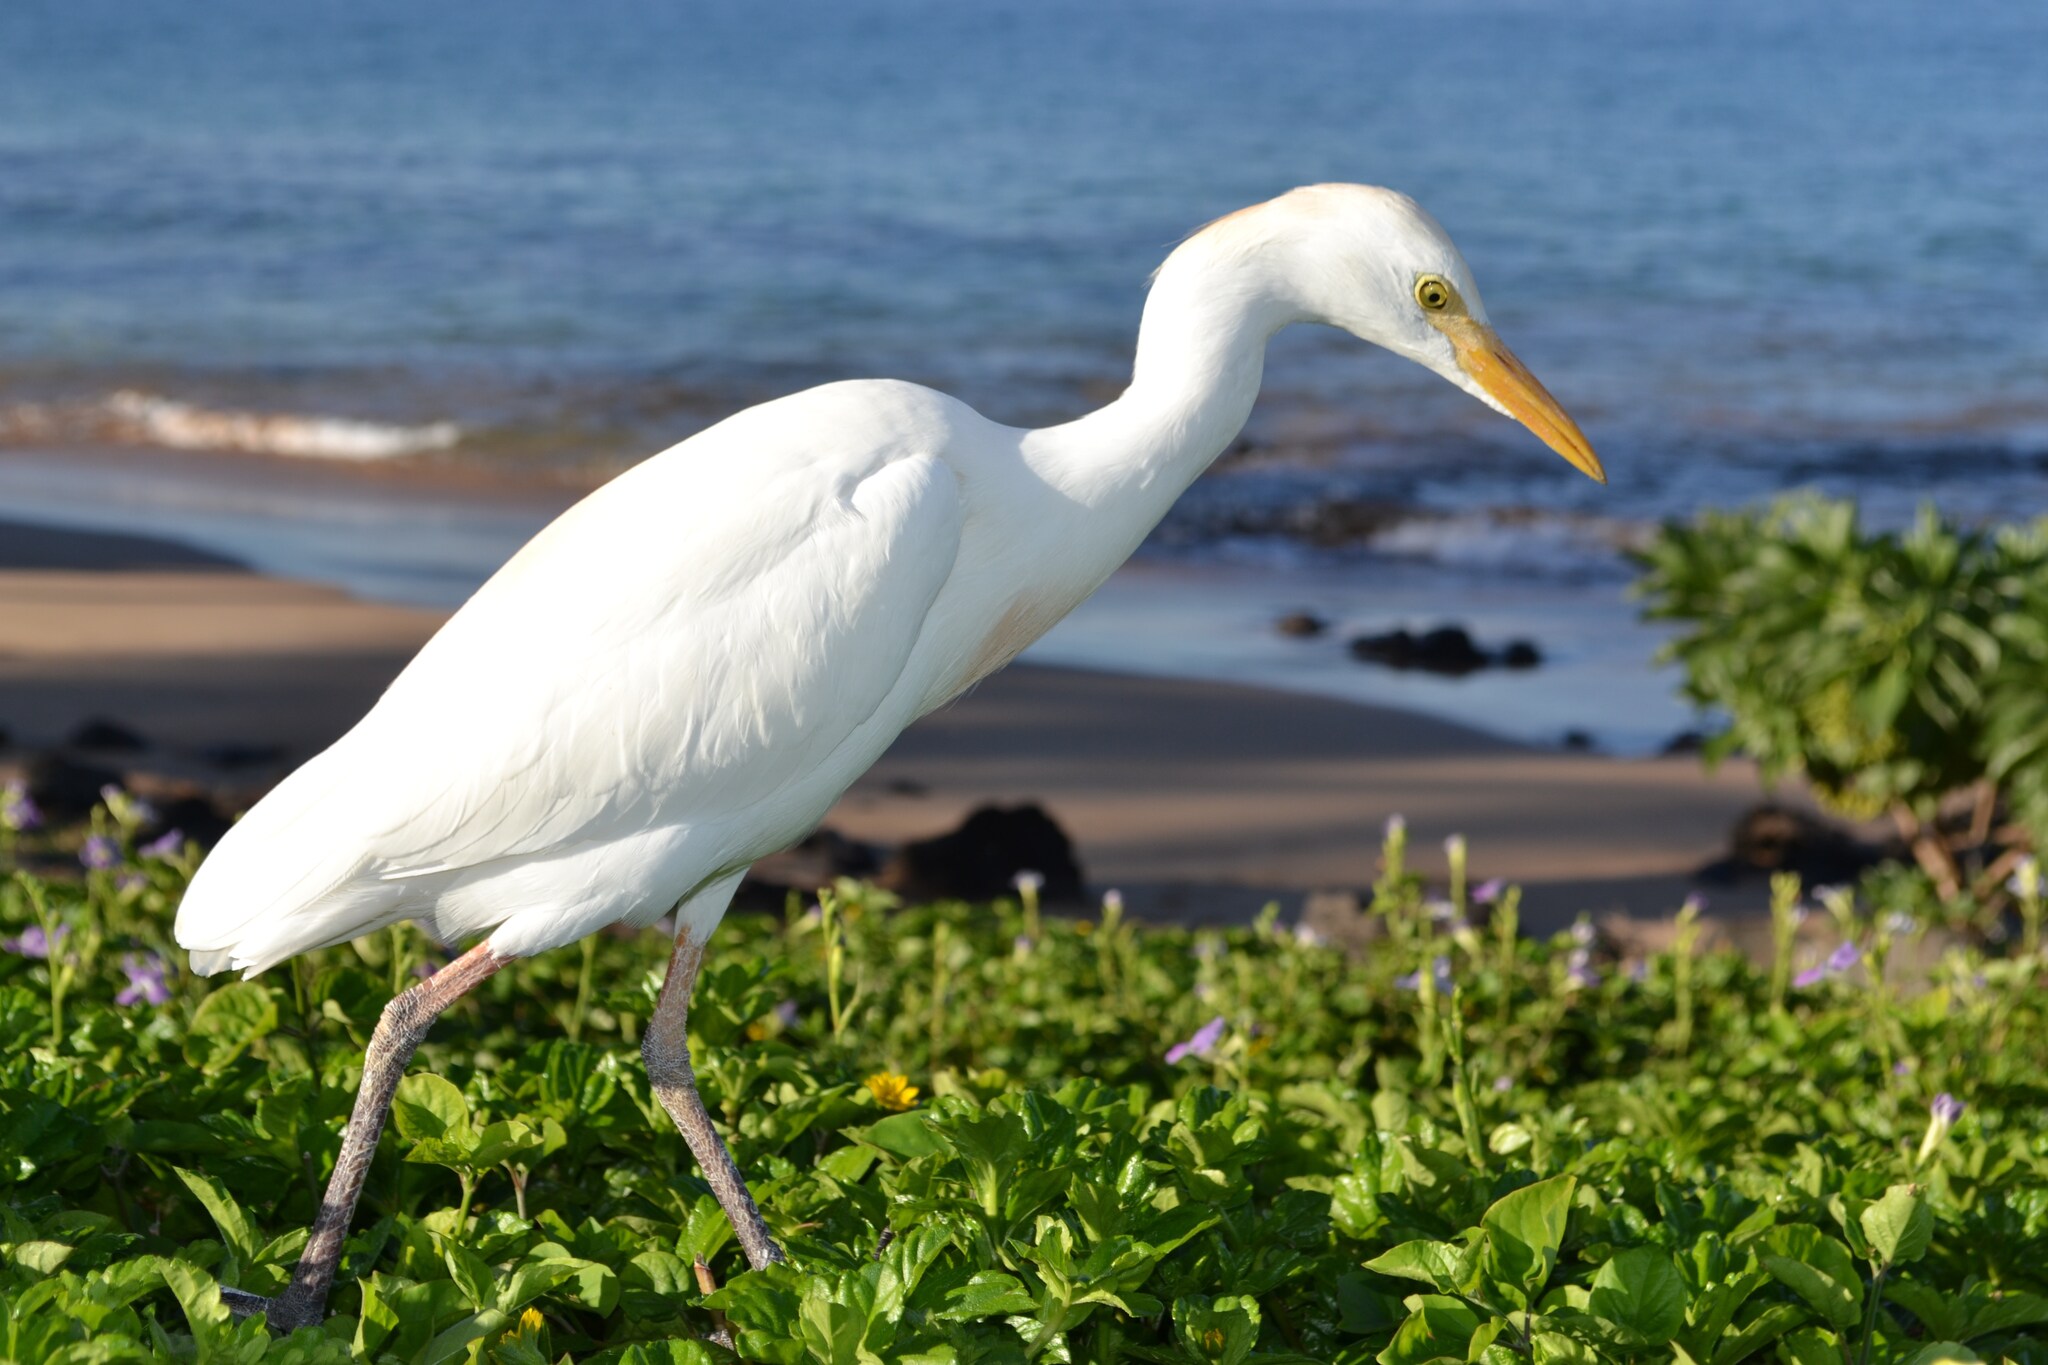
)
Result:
{"points": [[133, 417]]}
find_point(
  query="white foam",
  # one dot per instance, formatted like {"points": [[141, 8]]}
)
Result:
{"points": [[1511, 540], [153, 420]]}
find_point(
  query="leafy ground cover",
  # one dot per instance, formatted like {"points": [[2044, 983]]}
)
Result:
{"points": [[988, 1135]]}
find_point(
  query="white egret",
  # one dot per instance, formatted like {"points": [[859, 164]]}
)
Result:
{"points": [[683, 672]]}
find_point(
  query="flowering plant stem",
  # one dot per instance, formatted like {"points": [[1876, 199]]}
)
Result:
{"points": [[1784, 930], [59, 977]]}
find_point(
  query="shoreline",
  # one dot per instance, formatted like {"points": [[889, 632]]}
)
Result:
{"points": [[1198, 800], [416, 537]]}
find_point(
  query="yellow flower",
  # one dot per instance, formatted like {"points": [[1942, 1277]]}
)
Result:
{"points": [[529, 1328], [891, 1091]]}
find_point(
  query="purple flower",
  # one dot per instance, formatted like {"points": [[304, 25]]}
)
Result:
{"points": [[125, 882], [169, 844], [148, 980], [99, 853], [1639, 971], [1308, 936], [1946, 1109], [1439, 969], [1204, 948], [1021, 943], [1028, 882], [1205, 1039], [786, 1014], [129, 810], [1583, 932], [1112, 902], [1902, 1067], [1503, 1084], [1488, 891], [18, 811], [33, 943], [1440, 911], [1695, 903], [1898, 924], [1397, 827], [1578, 969], [1845, 956]]}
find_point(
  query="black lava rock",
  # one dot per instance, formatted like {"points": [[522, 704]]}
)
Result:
{"points": [[67, 788], [980, 859], [1447, 650], [106, 736], [1301, 625], [1521, 654]]}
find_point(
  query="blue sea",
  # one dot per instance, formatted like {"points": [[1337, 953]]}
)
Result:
{"points": [[1752, 246]]}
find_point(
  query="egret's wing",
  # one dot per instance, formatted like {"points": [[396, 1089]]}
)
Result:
{"points": [[685, 642]]}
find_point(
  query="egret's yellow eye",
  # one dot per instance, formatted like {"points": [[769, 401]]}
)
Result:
{"points": [[1434, 293]]}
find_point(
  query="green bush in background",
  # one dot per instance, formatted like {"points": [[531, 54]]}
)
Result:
{"points": [[1900, 674]]}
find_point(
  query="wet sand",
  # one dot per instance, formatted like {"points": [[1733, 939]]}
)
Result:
{"points": [[1197, 800]]}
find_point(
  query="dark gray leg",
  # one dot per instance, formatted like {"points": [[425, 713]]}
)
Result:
{"points": [[667, 1050], [404, 1023]]}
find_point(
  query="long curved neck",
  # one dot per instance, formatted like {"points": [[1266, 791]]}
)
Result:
{"points": [[1201, 354]]}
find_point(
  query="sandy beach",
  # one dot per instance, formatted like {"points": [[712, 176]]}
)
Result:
{"points": [[1196, 800]]}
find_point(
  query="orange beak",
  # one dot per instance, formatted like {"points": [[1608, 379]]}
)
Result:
{"points": [[1494, 368]]}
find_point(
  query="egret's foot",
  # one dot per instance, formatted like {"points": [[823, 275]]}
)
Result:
{"points": [[284, 1315], [243, 1304]]}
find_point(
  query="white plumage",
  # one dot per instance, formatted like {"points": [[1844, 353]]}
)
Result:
{"points": [[684, 671]]}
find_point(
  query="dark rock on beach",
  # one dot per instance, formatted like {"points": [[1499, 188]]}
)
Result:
{"points": [[1773, 838], [1447, 650], [823, 857], [981, 859], [235, 756], [67, 788], [1301, 625], [101, 735], [1684, 742]]}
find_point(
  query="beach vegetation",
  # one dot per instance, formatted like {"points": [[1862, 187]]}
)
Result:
{"points": [[1897, 674], [1123, 1143]]}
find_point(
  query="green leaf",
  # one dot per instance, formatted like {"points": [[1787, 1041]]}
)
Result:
{"points": [[1818, 1269], [1434, 1263], [471, 1275], [1642, 1290], [227, 1215], [1765, 1328], [426, 1106], [226, 1023], [1945, 1353], [902, 1135], [987, 1294], [1899, 1225], [1811, 1346], [1436, 1327], [1523, 1233], [1220, 1330]]}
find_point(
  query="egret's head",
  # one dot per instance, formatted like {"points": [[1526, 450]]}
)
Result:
{"points": [[1373, 262]]}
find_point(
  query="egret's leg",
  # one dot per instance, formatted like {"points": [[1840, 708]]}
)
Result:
{"points": [[404, 1023], [667, 1050]]}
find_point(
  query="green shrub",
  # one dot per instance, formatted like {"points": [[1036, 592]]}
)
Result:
{"points": [[1126, 1144], [1899, 675]]}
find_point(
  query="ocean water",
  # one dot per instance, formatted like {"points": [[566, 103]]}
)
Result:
{"points": [[1751, 244]]}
